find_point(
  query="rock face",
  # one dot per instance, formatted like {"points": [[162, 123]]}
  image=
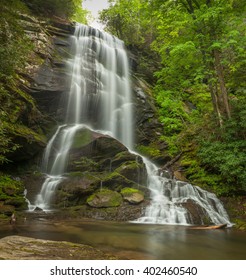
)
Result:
{"points": [[148, 128], [47, 82], [37, 106], [26, 248]]}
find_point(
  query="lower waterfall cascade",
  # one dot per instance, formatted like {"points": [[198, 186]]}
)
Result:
{"points": [[100, 82]]}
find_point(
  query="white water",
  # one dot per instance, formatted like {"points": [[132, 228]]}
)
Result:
{"points": [[168, 197], [100, 97]]}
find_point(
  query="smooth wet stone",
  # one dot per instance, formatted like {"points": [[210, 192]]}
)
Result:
{"points": [[26, 248]]}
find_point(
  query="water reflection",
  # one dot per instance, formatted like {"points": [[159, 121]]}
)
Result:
{"points": [[138, 241]]}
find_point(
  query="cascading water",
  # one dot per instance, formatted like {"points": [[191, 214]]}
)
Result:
{"points": [[169, 198], [100, 97]]}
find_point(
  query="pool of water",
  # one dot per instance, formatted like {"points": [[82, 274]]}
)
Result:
{"points": [[138, 241]]}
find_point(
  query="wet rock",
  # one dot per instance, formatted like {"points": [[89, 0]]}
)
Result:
{"points": [[148, 128], [37, 209], [179, 176], [26, 248], [197, 215], [124, 212]]}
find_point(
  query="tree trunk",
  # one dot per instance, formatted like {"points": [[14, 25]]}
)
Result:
{"points": [[223, 90], [215, 102]]}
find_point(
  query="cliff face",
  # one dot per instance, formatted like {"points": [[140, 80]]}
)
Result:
{"points": [[29, 107], [42, 82]]}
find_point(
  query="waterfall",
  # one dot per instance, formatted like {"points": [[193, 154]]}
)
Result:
{"points": [[168, 198], [100, 97]]}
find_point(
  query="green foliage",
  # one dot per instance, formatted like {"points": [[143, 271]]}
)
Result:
{"points": [[69, 9], [12, 191], [17, 108], [123, 20], [202, 49], [224, 152], [172, 113], [14, 43], [129, 20]]}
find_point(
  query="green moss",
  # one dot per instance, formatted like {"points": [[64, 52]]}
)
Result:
{"points": [[129, 191], [104, 198], [82, 138], [130, 165], [85, 163], [76, 174], [29, 134], [149, 151]]}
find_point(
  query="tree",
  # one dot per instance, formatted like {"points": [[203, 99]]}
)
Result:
{"points": [[200, 81]]}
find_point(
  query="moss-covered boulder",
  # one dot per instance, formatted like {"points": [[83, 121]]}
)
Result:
{"points": [[75, 189], [93, 151], [133, 196], [98, 161], [105, 198]]}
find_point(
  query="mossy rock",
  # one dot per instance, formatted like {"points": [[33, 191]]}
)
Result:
{"points": [[85, 164], [82, 138], [133, 196], [116, 181], [119, 159], [11, 192], [134, 171], [18, 202], [75, 188], [104, 198], [7, 209]]}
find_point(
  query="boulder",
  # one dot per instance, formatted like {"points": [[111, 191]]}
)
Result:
{"points": [[133, 196], [104, 198], [97, 161], [27, 248]]}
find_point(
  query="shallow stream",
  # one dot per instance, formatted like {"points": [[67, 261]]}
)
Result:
{"points": [[137, 241]]}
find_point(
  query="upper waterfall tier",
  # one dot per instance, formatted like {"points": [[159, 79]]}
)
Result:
{"points": [[100, 92]]}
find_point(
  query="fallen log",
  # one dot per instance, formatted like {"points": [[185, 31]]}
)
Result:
{"points": [[210, 227]]}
